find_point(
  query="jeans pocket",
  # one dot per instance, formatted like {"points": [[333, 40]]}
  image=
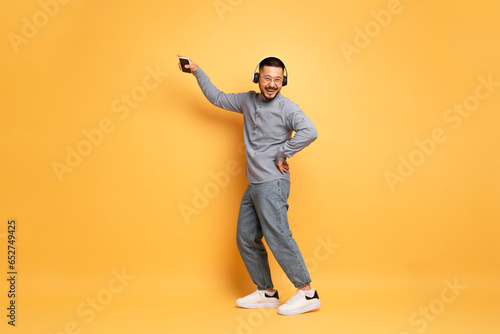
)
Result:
{"points": [[284, 190]]}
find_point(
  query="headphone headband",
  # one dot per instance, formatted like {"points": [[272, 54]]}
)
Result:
{"points": [[255, 77]]}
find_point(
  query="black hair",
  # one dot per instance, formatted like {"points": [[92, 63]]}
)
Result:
{"points": [[273, 62]]}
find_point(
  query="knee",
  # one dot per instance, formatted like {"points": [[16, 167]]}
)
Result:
{"points": [[246, 242], [243, 241]]}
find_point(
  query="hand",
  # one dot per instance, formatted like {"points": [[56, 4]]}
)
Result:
{"points": [[193, 66], [283, 167]]}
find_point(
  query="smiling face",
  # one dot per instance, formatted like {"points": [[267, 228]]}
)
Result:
{"points": [[270, 81]]}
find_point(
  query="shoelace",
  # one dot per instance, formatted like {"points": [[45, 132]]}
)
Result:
{"points": [[294, 299], [256, 293]]}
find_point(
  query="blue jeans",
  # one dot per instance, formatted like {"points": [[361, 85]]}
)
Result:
{"points": [[263, 213]]}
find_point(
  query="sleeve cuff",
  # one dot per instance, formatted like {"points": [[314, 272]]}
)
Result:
{"points": [[198, 72], [280, 157]]}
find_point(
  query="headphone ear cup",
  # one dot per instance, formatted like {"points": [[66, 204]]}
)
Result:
{"points": [[256, 77], [285, 81]]}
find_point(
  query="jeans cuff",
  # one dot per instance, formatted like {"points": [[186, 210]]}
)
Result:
{"points": [[298, 285]]}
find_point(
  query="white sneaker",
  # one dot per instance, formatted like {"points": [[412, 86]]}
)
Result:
{"points": [[300, 303], [259, 299]]}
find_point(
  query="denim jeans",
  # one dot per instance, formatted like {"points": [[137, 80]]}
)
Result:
{"points": [[263, 213]]}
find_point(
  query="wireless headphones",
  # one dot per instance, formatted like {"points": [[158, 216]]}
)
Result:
{"points": [[255, 77]]}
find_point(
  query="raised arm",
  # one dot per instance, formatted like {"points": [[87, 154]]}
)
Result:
{"points": [[231, 102]]}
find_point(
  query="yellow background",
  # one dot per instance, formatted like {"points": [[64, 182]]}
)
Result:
{"points": [[376, 254]]}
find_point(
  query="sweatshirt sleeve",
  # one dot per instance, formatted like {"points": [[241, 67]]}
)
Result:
{"points": [[231, 102], [305, 134]]}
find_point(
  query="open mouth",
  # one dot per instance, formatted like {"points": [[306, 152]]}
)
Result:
{"points": [[270, 90]]}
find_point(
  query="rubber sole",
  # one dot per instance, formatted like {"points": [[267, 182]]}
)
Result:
{"points": [[305, 309], [258, 305]]}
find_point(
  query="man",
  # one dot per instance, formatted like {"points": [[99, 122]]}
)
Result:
{"points": [[269, 119]]}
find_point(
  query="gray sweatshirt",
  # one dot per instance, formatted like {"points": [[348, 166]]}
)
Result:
{"points": [[267, 128]]}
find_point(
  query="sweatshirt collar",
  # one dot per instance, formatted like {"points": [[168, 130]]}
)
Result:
{"points": [[276, 98]]}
